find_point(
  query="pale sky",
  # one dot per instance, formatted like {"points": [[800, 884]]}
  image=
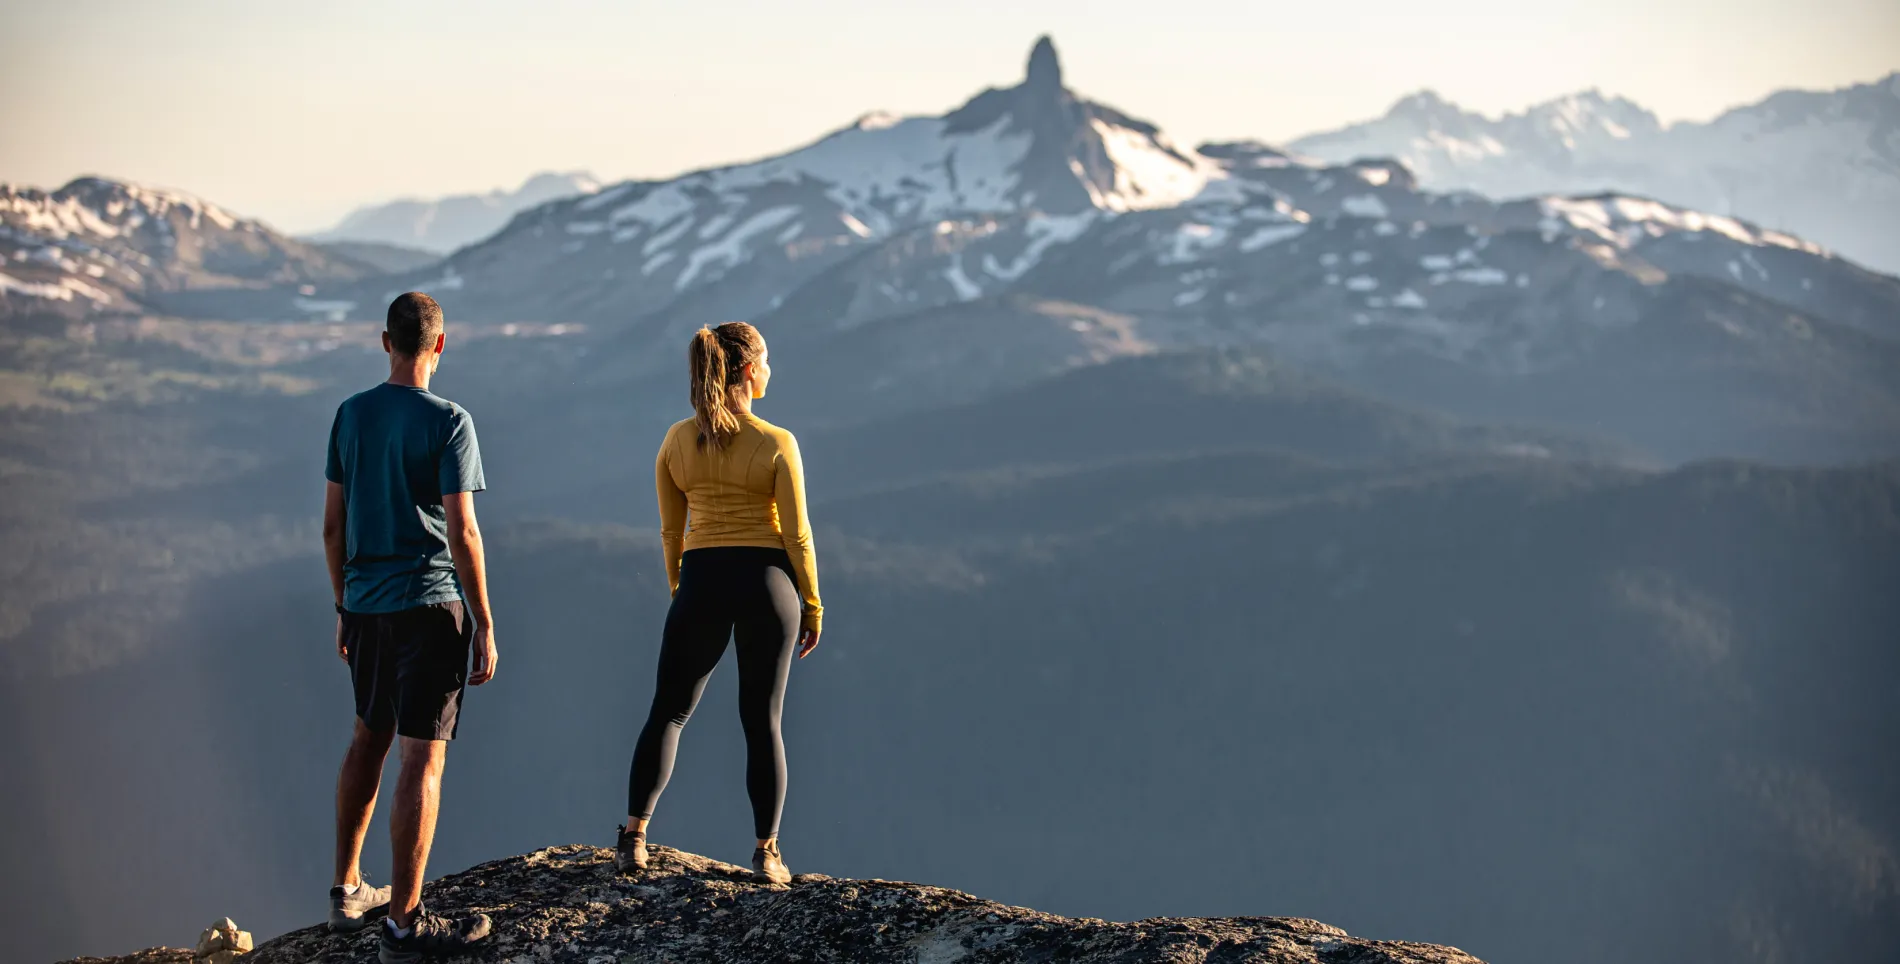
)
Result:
{"points": [[297, 112]]}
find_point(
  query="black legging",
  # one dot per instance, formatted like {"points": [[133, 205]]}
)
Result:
{"points": [[746, 593]]}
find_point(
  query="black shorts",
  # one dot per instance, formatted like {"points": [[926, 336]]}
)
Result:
{"points": [[409, 668]]}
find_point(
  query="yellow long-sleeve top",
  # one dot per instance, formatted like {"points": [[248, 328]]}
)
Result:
{"points": [[749, 493]]}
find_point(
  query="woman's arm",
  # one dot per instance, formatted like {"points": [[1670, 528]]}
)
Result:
{"points": [[788, 488], [672, 514]]}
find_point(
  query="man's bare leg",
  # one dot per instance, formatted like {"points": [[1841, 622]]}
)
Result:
{"points": [[412, 824], [356, 788]]}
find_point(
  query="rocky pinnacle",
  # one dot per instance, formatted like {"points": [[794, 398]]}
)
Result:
{"points": [[1045, 70]]}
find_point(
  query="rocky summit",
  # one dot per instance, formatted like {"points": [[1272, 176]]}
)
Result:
{"points": [[568, 904]]}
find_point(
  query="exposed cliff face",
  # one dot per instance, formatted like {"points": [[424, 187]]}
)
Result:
{"points": [[567, 904]]}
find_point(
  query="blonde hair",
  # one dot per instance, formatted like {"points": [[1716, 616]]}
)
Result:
{"points": [[715, 358]]}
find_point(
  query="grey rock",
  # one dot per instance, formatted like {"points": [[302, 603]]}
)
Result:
{"points": [[221, 943], [151, 955], [568, 904]]}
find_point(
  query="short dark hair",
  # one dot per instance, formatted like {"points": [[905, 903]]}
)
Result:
{"points": [[414, 320]]}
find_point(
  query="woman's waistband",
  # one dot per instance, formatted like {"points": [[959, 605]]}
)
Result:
{"points": [[737, 555]]}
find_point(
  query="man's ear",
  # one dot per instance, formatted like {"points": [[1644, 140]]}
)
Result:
{"points": [[441, 339], [387, 346]]}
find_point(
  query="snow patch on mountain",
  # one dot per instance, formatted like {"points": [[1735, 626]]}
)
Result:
{"points": [[1623, 220], [880, 175], [1044, 231], [1149, 171], [1364, 206], [1189, 241], [731, 250], [966, 289], [62, 290]]}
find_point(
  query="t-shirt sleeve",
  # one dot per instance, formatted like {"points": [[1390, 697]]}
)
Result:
{"points": [[333, 465], [462, 458]]}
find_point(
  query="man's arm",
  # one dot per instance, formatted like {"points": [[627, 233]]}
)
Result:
{"points": [[465, 545], [335, 550], [335, 545]]}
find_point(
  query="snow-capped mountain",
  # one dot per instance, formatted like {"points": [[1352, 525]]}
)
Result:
{"points": [[1034, 190], [1824, 165], [1032, 230], [98, 245], [444, 224], [735, 241]]}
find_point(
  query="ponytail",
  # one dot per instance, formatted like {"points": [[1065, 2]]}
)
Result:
{"points": [[715, 358]]}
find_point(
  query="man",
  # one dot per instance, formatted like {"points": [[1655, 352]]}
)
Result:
{"points": [[412, 602]]}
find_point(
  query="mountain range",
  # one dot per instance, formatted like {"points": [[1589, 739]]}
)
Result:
{"points": [[1031, 230], [921, 261], [103, 247], [1203, 531], [1821, 164], [443, 224]]}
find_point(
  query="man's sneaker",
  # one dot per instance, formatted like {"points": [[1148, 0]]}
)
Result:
{"points": [[630, 850], [770, 865], [349, 912], [431, 936]]}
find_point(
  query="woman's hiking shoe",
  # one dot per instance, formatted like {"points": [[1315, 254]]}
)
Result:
{"points": [[431, 936], [770, 865], [630, 850], [349, 912]]}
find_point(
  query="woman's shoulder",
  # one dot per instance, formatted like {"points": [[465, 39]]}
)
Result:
{"points": [[779, 434], [674, 431]]}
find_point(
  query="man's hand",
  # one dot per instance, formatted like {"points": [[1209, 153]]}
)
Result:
{"points": [[485, 656], [335, 549], [807, 641], [471, 569]]}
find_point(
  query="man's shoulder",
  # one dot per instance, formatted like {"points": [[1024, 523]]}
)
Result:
{"points": [[438, 403], [454, 410], [360, 399], [386, 400]]}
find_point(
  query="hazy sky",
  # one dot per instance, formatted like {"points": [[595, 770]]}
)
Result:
{"points": [[296, 112]]}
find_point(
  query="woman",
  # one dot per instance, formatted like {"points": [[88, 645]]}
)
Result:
{"points": [[743, 569]]}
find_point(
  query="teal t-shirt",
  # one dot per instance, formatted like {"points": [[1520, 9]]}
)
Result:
{"points": [[396, 451]]}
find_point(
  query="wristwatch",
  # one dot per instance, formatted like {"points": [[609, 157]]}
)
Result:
{"points": [[341, 611]]}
